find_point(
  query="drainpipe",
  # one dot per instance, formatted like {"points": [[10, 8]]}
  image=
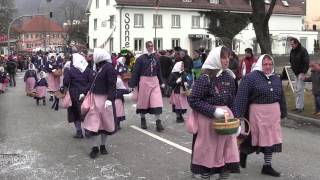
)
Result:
{"points": [[121, 27]]}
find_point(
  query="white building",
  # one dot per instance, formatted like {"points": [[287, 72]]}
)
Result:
{"points": [[116, 24]]}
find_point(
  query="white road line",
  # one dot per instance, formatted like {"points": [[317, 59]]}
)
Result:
{"points": [[162, 139]]}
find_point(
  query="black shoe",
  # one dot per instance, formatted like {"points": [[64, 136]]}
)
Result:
{"points": [[268, 170], [143, 123], [78, 135], [299, 110], [180, 119], [37, 102], [159, 126], [51, 98], [103, 149], [44, 102], [94, 152], [243, 160]]}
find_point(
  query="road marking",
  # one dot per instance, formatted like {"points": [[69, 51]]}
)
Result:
{"points": [[162, 139]]}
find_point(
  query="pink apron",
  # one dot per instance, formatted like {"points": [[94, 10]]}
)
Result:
{"points": [[210, 149], [53, 82], [265, 124], [30, 83], [41, 91], [98, 117], [119, 108], [180, 101], [2, 87], [149, 95]]}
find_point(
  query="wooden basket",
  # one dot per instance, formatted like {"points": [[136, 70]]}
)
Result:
{"points": [[58, 72], [226, 126], [126, 76]]}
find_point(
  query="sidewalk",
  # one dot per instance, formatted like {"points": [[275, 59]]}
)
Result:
{"points": [[300, 118]]}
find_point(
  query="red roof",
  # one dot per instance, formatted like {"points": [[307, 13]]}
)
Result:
{"points": [[296, 7], [39, 24]]}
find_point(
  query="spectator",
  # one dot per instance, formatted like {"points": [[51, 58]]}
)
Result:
{"points": [[166, 65], [11, 69], [299, 60], [315, 79], [246, 63]]}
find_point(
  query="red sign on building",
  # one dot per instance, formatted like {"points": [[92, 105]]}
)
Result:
{"points": [[3, 38]]}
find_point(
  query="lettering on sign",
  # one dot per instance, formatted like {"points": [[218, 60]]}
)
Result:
{"points": [[187, 1], [198, 36], [127, 30]]}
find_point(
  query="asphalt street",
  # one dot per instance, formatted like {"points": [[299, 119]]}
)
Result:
{"points": [[36, 143]]}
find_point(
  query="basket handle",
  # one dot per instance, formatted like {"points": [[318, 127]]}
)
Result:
{"points": [[249, 128], [226, 115]]}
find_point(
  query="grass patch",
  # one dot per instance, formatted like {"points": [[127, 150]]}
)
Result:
{"points": [[309, 107]]}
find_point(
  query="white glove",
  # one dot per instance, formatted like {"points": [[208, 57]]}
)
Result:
{"points": [[163, 85], [130, 89], [219, 113], [179, 80], [107, 104], [81, 97], [186, 84]]}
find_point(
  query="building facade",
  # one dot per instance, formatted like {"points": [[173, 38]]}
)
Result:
{"points": [[312, 19], [116, 24], [38, 33]]}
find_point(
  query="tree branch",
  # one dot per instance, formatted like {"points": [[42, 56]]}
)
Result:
{"points": [[269, 13]]}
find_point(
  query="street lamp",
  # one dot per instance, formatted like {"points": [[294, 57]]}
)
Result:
{"points": [[13, 22]]}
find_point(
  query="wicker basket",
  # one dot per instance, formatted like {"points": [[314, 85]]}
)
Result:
{"points": [[226, 126], [58, 72], [32, 94], [126, 76]]}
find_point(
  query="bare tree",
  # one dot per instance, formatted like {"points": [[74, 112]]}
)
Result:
{"points": [[74, 17], [260, 20], [7, 10]]}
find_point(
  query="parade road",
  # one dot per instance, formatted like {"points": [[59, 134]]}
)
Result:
{"points": [[36, 143]]}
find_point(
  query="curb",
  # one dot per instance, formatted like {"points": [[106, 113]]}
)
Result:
{"points": [[303, 119]]}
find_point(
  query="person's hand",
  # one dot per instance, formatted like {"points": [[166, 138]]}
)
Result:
{"points": [[179, 80], [54, 70], [163, 85], [81, 97], [302, 76], [219, 113], [107, 104], [186, 84]]}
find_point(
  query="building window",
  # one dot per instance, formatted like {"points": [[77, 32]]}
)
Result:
{"points": [[138, 44], [94, 43], [37, 35], [214, 1], [95, 24], [111, 45], [107, 2], [157, 44], [31, 36], [176, 21], [206, 23], [29, 45], [175, 42], [195, 21], [26, 36], [97, 4], [157, 20], [111, 21], [138, 20]]}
